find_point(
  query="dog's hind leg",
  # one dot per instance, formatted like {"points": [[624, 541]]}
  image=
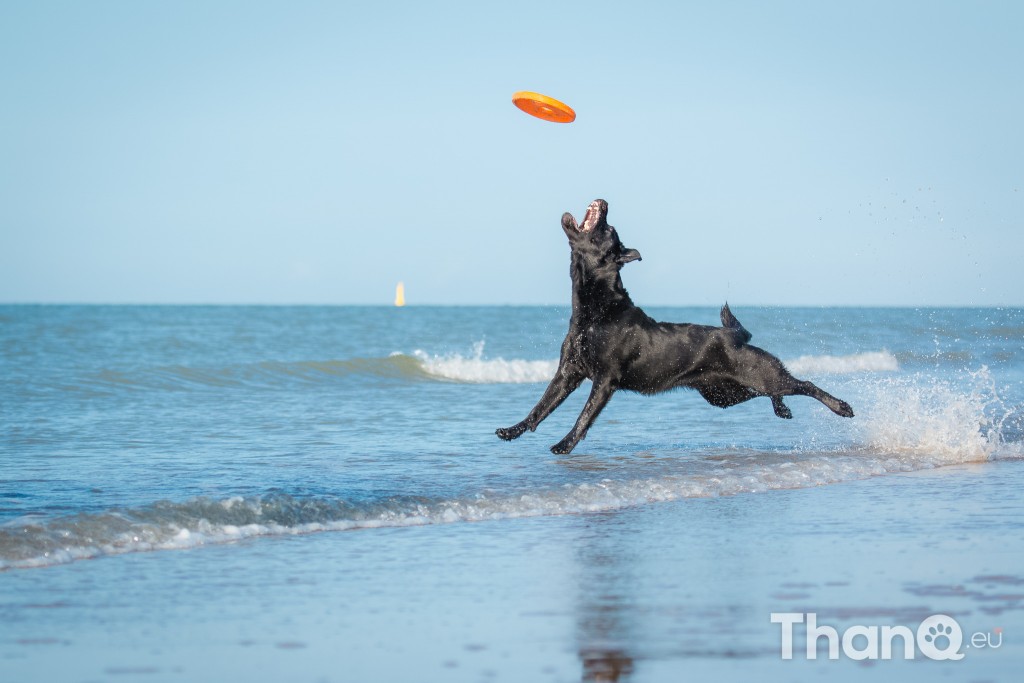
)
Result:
{"points": [[781, 409], [803, 388], [765, 375], [599, 395], [566, 381]]}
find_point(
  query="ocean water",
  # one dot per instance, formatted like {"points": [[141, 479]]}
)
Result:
{"points": [[130, 429]]}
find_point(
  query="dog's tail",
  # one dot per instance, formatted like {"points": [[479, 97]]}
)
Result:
{"points": [[730, 322]]}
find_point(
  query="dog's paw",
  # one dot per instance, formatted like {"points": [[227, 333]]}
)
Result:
{"points": [[509, 433], [781, 409], [844, 409], [563, 447]]}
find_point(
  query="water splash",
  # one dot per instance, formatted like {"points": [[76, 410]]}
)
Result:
{"points": [[934, 421]]}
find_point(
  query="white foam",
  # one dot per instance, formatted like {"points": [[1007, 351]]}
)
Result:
{"points": [[931, 421], [746, 474], [753, 473], [478, 370], [870, 361]]}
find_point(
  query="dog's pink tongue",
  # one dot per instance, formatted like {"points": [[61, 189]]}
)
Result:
{"points": [[595, 215]]}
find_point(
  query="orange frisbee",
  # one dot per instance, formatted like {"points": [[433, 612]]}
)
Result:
{"points": [[543, 107]]}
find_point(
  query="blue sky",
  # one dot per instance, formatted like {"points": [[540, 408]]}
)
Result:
{"points": [[791, 153]]}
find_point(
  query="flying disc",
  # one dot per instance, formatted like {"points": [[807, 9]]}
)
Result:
{"points": [[543, 107]]}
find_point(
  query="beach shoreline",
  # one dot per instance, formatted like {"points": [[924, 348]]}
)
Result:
{"points": [[652, 593]]}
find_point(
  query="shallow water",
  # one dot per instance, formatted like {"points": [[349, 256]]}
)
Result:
{"points": [[125, 429]]}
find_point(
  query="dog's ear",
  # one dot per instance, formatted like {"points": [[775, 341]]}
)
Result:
{"points": [[627, 256], [570, 226]]}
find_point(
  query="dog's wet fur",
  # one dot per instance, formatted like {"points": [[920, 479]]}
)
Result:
{"points": [[616, 345]]}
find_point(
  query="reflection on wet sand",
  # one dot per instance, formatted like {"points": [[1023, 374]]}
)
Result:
{"points": [[606, 665], [603, 617]]}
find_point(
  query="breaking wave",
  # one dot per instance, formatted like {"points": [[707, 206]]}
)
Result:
{"points": [[872, 361], [472, 368], [477, 369]]}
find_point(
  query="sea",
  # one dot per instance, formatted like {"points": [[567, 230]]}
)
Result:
{"points": [[317, 493]]}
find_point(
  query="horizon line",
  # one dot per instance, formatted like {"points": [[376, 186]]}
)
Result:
{"points": [[215, 304]]}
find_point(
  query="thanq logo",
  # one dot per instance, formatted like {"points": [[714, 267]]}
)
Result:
{"points": [[938, 637]]}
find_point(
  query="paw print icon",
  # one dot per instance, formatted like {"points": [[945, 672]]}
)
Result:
{"points": [[940, 637]]}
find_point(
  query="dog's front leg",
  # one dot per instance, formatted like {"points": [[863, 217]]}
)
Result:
{"points": [[599, 395], [566, 381]]}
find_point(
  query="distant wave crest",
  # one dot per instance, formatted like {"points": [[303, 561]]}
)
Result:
{"points": [[478, 370], [871, 361], [419, 365], [471, 368]]}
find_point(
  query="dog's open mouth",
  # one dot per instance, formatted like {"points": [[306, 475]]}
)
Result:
{"points": [[597, 214]]}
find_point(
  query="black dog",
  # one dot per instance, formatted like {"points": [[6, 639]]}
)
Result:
{"points": [[618, 346]]}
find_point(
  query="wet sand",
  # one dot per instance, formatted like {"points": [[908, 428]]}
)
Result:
{"points": [[663, 592]]}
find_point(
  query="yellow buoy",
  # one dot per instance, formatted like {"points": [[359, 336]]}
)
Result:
{"points": [[400, 295]]}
